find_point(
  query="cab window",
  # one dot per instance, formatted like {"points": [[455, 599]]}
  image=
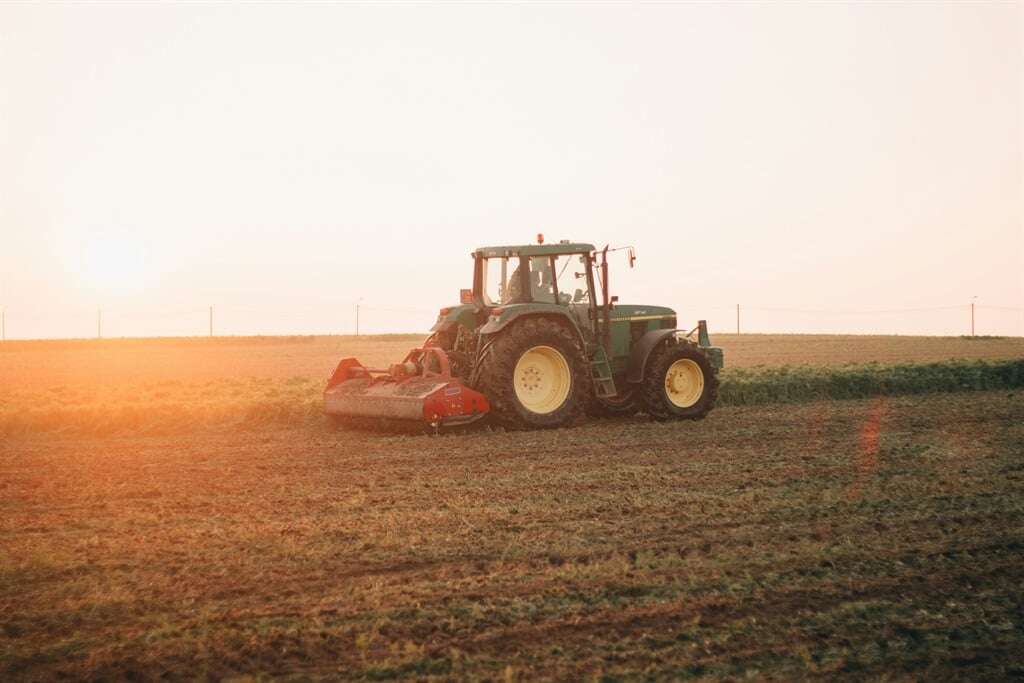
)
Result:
{"points": [[542, 280], [572, 279], [496, 275]]}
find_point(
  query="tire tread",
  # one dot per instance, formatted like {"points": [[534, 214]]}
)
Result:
{"points": [[494, 371], [652, 389]]}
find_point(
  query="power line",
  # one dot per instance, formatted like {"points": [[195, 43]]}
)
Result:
{"points": [[241, 319], [863, 312], [1001, 308]]}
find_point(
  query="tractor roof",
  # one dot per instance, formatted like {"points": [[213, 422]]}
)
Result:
{"points": [[536, 249]]}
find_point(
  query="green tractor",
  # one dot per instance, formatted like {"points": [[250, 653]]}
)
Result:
{"points": [[537, 342]]}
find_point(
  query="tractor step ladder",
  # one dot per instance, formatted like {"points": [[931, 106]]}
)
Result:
{"points": [[601, 373]]}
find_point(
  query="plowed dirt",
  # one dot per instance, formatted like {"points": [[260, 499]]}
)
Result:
{"points": [[867, 538]]}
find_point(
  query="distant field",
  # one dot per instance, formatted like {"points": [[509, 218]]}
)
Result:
{"points": [[44, 364], [176, 384], [181, 508]]}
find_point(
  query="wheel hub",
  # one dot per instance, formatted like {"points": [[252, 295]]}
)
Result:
{"points": [[684, 383], [542, 379]]}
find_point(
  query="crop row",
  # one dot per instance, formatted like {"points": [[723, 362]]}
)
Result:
{"points": [[746, 386]]}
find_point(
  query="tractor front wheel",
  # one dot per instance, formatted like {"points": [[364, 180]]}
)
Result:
{"points": [[679, 383], [533, 375]]}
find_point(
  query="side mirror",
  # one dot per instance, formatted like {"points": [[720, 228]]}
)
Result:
{"points": [[466, 296], [578, 296], [632, 256]]}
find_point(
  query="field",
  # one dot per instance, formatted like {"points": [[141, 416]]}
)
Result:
{"points": [[166, 511], [102, 387]]}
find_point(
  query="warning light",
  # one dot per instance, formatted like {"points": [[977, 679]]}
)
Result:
{"points": [[540, 238]]}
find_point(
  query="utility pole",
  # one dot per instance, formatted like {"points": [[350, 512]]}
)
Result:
{"points": [[211, 321], [737, 318]]}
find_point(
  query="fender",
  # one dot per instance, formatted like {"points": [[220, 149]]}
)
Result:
{"points": [[448, 318], [641, 352], [443, 326], [511, 313]]}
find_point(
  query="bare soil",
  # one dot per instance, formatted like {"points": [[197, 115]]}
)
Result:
{"points": [[875, 538], [179, 508]]}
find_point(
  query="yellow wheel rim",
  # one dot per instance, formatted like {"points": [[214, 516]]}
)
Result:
{"points": [[542, 379], [684, 383]]}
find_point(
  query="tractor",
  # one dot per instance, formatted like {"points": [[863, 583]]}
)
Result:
{"points": [[538, 342]]}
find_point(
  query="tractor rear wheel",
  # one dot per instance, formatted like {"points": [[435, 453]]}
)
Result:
{"points": [[533, 375], [679, 384]]}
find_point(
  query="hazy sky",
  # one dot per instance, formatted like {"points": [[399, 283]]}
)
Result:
{"points": [[282, 161]]}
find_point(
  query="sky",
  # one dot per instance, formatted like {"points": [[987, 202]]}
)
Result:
{"points": [[828, 167]]}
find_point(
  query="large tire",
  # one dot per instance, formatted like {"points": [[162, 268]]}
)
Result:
{"points": [[533, 375], [679, 383]]}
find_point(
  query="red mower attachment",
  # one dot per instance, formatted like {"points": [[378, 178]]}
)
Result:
{"points": [[420, 388]]}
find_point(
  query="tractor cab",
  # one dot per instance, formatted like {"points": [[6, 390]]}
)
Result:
{"points": [[510, 282], [565, 278], [557, 274]]}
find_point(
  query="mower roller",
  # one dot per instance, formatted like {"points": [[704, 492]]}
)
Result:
{"points": [[537, 342], [420, 388]]}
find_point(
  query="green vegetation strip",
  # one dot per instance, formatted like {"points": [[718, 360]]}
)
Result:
{"points": [[760, 385]]}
